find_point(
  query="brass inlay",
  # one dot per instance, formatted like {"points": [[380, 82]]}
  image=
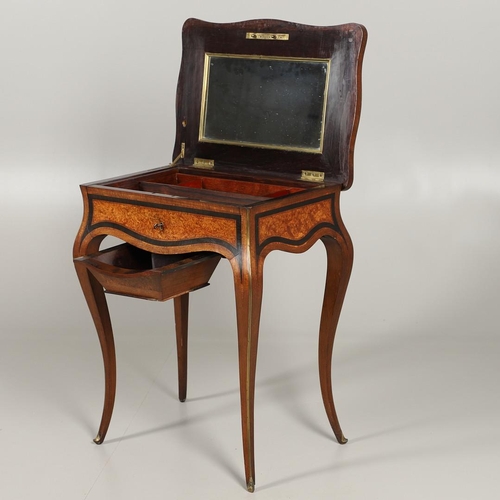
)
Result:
{"points": [[268, 36], [249, 415], [203, 163], [312, 176]]}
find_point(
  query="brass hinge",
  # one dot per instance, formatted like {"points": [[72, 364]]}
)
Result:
{"points": [[203, 163], [312, 176], [268, 36], [180, 155]]}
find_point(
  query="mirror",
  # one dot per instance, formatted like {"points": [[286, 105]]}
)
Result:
{"points": [[268, 102]]}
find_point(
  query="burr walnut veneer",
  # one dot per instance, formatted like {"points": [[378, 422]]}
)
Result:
{"points": [[267, 114]]}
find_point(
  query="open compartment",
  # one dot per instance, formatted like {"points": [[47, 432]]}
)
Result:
{"points": [[210, 186], [127, 270]]}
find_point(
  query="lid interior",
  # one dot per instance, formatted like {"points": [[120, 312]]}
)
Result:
{"points": [[270, 96]]}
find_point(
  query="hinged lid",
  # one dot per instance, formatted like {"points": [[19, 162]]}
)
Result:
{"points": [[270, 97]]}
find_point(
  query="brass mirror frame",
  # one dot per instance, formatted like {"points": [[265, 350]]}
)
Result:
{"points": [[204, 99]]}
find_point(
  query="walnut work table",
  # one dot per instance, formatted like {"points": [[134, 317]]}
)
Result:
{"points": [[235, 190]]}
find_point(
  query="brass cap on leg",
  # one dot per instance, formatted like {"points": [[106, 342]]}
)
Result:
{"points": [[251, 485]]}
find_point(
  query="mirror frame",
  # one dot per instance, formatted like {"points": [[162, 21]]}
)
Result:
{"points": [[206, 93]]}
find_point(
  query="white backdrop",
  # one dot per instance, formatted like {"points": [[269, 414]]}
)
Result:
{"points": [[87, 91]]}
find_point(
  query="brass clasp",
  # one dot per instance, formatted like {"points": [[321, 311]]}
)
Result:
{"points": [[268, 36]]}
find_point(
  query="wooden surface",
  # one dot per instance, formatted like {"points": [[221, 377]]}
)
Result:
{"points": [[251, 204], [343, 45]]}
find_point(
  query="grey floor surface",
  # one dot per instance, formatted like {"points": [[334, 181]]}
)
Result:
{"points": [[421, 412]]}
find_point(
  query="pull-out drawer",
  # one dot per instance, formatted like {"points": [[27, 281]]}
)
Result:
{"points": [[127, 270]]}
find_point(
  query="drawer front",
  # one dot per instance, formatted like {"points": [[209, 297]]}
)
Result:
{"points": [[295, 224], [163, 224]]}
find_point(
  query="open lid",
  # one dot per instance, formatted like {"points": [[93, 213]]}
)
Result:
{"points": [[270, 97]]}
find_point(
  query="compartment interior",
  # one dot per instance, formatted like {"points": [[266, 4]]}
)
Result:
{"points": [[248, 188], [128, 257], [210, 187], [128, 270]]}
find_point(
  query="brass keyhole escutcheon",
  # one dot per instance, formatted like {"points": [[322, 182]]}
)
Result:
{"points": [[159, 226]]}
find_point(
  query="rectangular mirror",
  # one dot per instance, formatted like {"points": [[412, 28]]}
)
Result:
{"points": [[267, 102]]}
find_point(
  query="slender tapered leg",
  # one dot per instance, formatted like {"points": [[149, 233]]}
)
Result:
{"points": [[248, 290], [96, 300], [181, 310], [339, 264]]}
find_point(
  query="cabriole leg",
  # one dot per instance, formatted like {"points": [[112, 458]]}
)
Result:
{"points": [[96, 300], [339, 264], [248, 290]]}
